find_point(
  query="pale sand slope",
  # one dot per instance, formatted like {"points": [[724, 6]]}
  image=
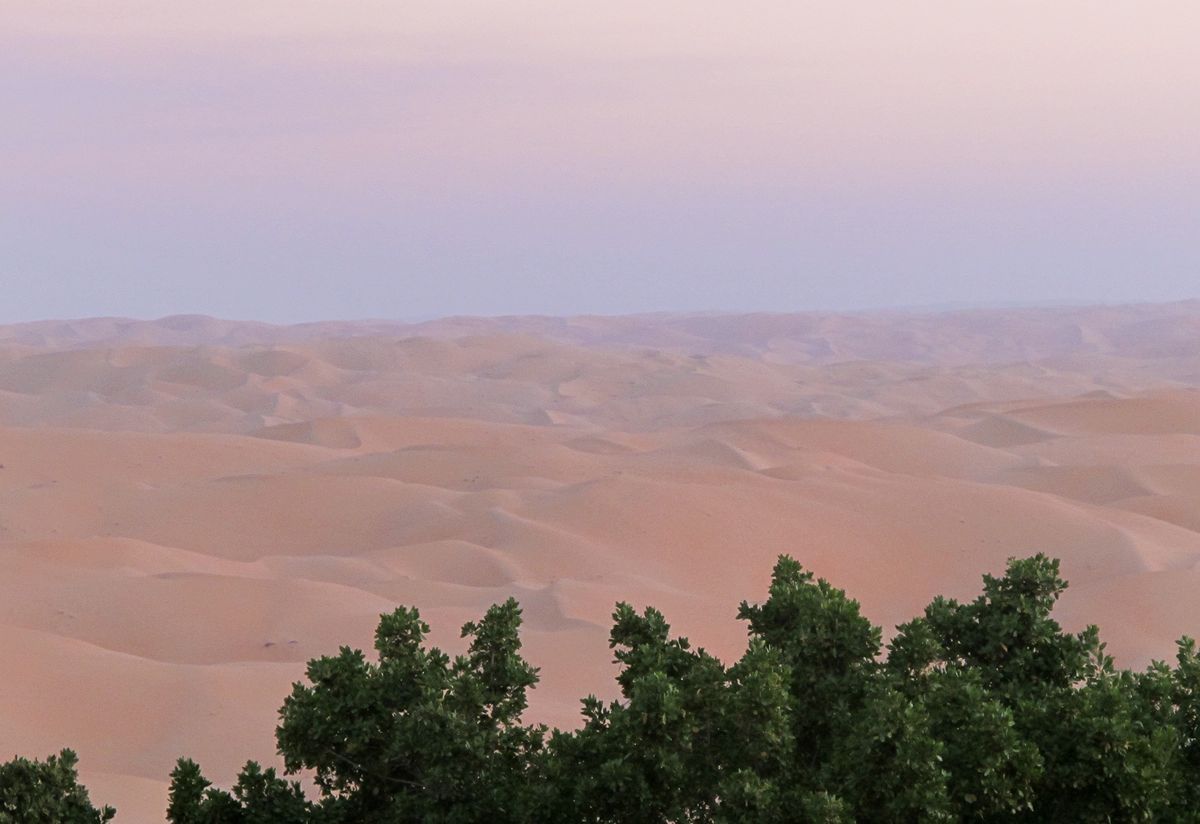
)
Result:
{"points": [[181, 527]]}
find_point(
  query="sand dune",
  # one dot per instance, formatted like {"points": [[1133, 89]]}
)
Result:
{"points": [[191, 508]]}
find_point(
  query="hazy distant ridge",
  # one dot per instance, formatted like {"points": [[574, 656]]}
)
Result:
{"points": [[956, 336]]}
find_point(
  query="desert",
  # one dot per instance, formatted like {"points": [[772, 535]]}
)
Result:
{"points": [[190, 508], [611, 413]]}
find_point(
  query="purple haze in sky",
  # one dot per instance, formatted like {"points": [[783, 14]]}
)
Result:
{"points": [[301, 160]]}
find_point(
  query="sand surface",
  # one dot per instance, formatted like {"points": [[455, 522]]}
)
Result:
{"points": [[192, 508]]}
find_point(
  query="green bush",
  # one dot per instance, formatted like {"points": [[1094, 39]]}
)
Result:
{"points": [[46, 792], [984, 711]]}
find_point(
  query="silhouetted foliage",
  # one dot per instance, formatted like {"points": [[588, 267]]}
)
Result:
{"points": [[46, 792], [986, 711]]}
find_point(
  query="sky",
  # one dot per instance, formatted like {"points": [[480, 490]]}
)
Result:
{"points": [[291, 160]]}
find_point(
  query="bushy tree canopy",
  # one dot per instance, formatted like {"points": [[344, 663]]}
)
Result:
{"points": [[46, 792], [986, 711]]}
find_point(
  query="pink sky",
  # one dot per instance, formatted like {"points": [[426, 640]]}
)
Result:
{"points": [[834, 143]]}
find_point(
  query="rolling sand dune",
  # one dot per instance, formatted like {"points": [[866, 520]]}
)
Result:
{"points": [[192, 508]]}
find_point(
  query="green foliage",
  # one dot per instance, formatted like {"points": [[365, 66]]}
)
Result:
{"points": [[1181, 706], [186, 803], [828, 647], [655, 755], [1008, 636], [888, 765], [46, 792], [259, 797], [984, 711], [991, 769], [418, 736]]}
